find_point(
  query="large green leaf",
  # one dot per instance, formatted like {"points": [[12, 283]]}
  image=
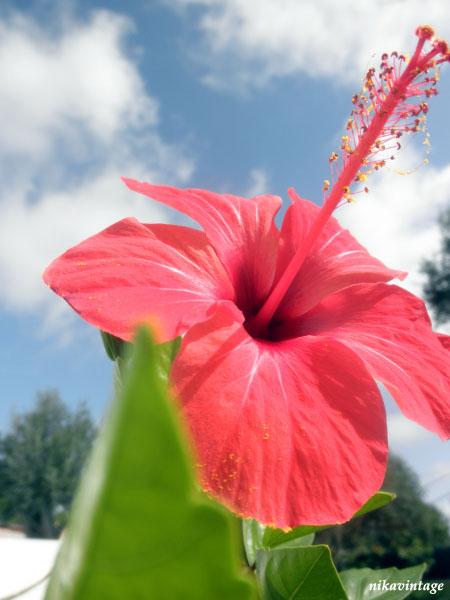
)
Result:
{"points": [[274, 537], [140, 528], [257, 537], [357, 582], [305, 573]]}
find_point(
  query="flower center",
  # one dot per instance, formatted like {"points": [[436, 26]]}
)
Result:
{"points": [[391, 104]]}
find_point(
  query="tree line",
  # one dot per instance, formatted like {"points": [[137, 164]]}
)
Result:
{"points": [[41, 458]]}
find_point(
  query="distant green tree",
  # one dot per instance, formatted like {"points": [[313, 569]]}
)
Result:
{"points": [[41, 458], [406, 532], [437, 270]]}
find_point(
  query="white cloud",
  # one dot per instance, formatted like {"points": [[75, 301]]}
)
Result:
{"points": [[403, 432], [75, 116], [398, 220], [259, 183], [56, 88], [249, 43], [31, 235]]}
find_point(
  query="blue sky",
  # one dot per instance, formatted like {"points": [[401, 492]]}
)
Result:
{"points": [[232, 96]]}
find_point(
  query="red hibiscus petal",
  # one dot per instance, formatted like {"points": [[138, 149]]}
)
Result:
{"points": [[390, 330], [241, 230], [444, 340], [336, 261], [130, 273], [288, 433]]}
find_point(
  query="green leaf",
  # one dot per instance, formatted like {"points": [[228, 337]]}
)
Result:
{"points": [[117, 348], [306, 573], [304, 540], [139, 527], [377, 501], [164, 357], [167, 353], [257, 537], [114, 347], [275, 537], [252, 535], [357, 581]]}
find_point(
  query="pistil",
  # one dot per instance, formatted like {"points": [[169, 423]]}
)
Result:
{"points": [[381, 116]]}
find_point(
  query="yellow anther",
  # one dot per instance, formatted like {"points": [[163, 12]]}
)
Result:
{"points": [[345, 138], [326, 185], [347, 194], [361, 177], [427, 142], [333, 156]]}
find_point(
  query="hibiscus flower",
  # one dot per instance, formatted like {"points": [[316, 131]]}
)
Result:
{"points": [[284, 331]]}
